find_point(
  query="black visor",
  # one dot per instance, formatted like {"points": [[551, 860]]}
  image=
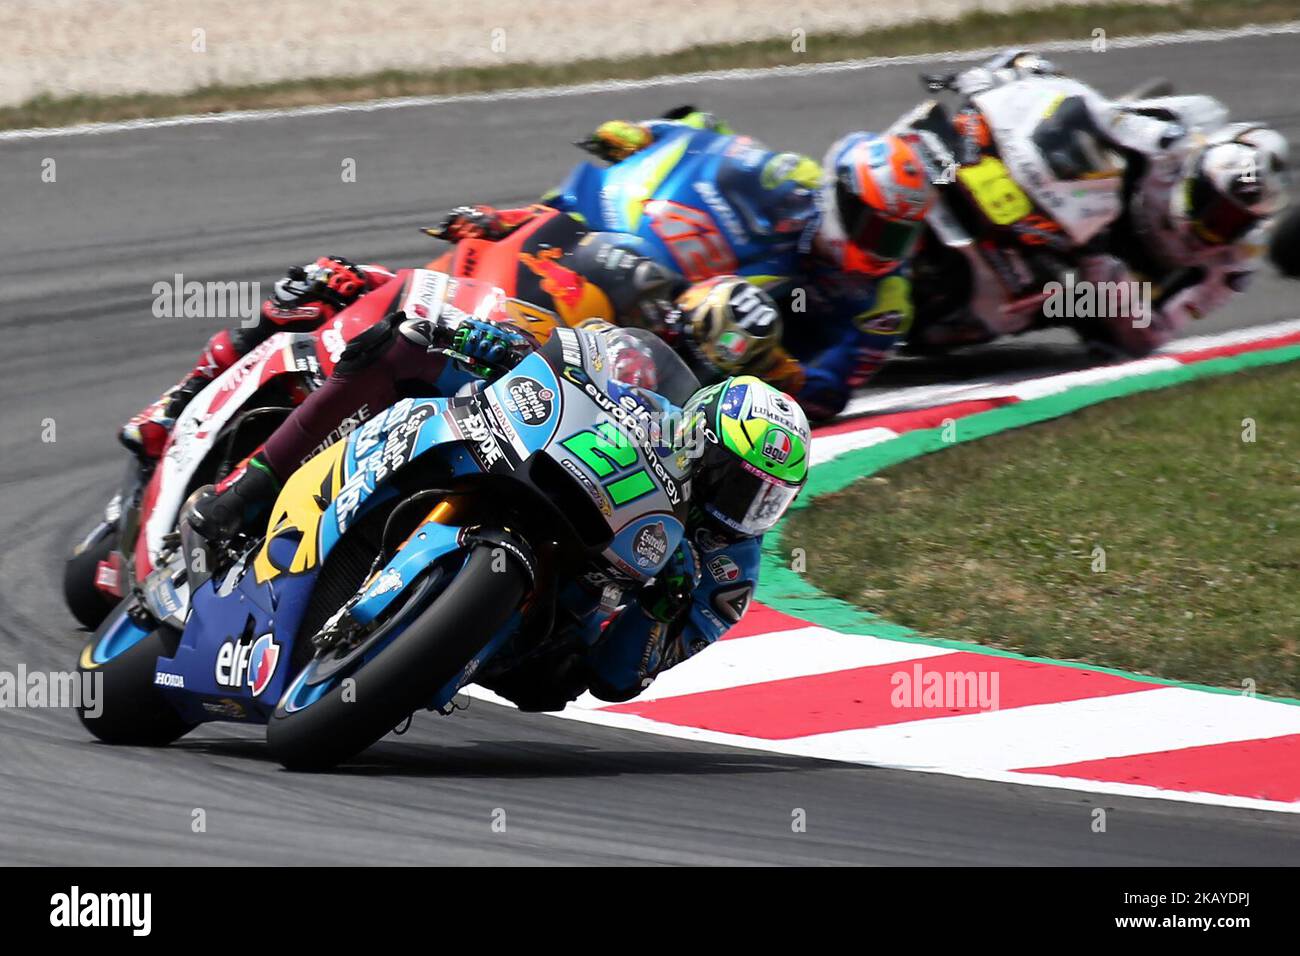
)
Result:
{"points": [[739, 495], [1216, 217], [870, 230]]}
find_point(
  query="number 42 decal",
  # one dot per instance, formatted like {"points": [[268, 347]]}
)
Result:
{"points": [[609, 454]]}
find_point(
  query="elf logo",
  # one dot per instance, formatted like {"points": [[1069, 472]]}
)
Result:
{"points": [[241, 665]]}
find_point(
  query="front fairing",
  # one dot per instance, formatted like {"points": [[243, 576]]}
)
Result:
{"points": [[638, 481]]}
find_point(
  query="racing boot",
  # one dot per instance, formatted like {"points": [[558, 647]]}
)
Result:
{"points": [[236, 504], [146, 432], [543, 684]]}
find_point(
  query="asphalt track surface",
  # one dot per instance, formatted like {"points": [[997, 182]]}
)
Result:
{"points": [[78, 259]]}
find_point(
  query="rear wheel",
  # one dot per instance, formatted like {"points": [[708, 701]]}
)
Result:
{"points": [[941, 291], [127, 708], [89, 604], [309, 732]]}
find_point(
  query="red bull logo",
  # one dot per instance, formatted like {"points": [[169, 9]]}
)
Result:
{"points": [[560, 282]]}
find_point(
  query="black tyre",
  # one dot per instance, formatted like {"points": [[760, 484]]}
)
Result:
{"points": [[406, 674], [1284, 246], [941, 290], [131, 709], [88, 604]]}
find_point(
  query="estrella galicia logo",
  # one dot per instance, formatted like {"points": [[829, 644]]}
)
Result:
{"points": [[650, 547], [528, 400]]}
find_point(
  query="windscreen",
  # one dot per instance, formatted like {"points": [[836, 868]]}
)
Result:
{"points": [[641, 360]]}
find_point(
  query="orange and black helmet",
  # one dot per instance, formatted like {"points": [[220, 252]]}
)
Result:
{"points": [[875, 196]]}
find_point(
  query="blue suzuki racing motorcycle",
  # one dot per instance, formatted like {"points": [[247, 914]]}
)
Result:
{"points": [[425, 550], [698, 202]]}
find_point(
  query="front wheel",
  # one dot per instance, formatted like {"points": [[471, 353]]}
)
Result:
{"points": [[405, 675], [942, 286]]}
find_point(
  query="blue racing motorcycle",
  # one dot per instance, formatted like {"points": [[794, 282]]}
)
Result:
{"points": [[698, 202], [423, 552]]}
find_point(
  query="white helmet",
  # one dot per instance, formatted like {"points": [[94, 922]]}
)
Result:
{"points": [[1238, 178]]}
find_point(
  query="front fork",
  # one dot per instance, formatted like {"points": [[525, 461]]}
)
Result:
{"points": [[432, 542]]}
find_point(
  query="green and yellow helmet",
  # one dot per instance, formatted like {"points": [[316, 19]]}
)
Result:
{"points": [[752, 460]]}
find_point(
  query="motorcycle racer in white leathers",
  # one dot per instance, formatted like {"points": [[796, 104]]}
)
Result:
{"points": [[1198, 195]]}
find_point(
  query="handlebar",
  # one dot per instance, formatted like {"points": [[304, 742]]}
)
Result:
{"points": [[495, 368]]}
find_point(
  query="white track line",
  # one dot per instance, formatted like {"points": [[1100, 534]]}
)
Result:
{"points": [[780, 655], [1023, 386], [1194, 343], [826, 447], [1055, 384], [1046, 735], [632, 722], [614, 86]]}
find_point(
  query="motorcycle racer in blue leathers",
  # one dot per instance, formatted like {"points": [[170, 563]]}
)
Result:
{"points": [[829, 243]]}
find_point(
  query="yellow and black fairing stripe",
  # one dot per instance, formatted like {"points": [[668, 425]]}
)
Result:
{"points": [[297, 514]]}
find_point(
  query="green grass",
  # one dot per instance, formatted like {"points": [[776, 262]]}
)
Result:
{"points": [[967, 32], [994, 541]]}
